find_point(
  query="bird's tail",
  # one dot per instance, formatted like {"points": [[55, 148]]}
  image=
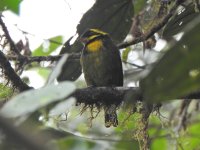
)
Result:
{"points": [[110, 116]]}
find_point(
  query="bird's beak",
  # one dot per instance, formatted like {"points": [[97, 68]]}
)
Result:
{"points": [[83, 40]]}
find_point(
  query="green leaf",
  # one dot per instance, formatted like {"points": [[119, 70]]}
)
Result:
{"points": [[124, 145], [77, 143], [54, 43], [178, 71], [180, 20], [44, 72], [139, 5], [156, 144], [125, 54], [158, 134], [12, 5], [30, 101], [191, 140], [5, 91]]}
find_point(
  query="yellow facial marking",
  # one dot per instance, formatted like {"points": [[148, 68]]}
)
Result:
{"points": [[94, 46], [92, 37], [98, 31]]}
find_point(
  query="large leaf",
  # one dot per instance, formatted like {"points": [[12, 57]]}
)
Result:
{"points": [[63, 107], [71, 70], [180, 20], [12, 5], [178, 72], [112, 16], [29, 101], [57, 70], [54, 43]]}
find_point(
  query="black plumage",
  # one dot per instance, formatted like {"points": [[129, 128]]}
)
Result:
{"points": [[102, 67]]}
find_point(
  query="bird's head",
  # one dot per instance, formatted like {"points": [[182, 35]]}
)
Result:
{"points": [[91, 34]]}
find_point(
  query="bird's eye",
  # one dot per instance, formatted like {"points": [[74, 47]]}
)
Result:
{"points": [[90, 33], [87, 34]]}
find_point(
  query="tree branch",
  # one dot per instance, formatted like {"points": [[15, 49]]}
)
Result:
{"points": [[104, 95], [116, 95], [7, 35], [154, 29], [11, 75], [30, 59], [71, 57], [76, 56]]}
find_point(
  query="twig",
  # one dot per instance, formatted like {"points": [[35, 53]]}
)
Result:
{"points": [[30, 59], [71, 57], [135, 65], [10, 41], [183, 115], [11, 75], [154, 28]]}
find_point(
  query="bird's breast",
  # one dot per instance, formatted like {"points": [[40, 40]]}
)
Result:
{"points": [[94, 46]]}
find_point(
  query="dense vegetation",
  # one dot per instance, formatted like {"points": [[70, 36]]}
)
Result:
{"points": [[158, 105]]}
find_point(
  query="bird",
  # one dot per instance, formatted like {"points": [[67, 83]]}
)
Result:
{"points": [[102, 66]]}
